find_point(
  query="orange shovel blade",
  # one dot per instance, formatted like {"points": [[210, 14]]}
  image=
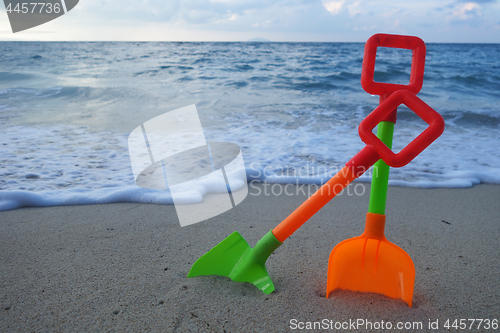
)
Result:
{"points": [[373, 265]]}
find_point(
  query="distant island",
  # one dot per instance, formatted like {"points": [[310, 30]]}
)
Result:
{"points": [[261, 40]]}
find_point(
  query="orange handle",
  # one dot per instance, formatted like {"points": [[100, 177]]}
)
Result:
{"points": [[314, 203]]}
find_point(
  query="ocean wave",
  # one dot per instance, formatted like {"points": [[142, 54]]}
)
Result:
{"points": [[293, 108], [14, 76]]}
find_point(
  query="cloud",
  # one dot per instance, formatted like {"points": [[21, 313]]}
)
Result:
{"points": [[467, 11], [292, 20], [354, 9], [479, 1], [111, 10], [334, 7], [392, 13]]}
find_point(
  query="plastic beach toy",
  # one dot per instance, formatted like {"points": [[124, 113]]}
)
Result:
{"points": [[370, 263], [233, 257]]}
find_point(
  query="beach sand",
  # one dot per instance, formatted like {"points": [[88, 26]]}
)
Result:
{"points": [[123, 267]]}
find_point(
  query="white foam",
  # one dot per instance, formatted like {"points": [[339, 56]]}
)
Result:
{"points": [[49, 166], [74, 196], [459, 158]]}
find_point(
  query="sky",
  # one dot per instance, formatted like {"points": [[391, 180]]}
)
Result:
{"points": [[453, 21]]}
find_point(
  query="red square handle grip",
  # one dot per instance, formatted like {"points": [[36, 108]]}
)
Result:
{"points": [[396, 41], [415, 147]]}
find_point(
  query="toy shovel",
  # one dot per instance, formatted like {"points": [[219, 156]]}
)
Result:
{"points": [[370, 263], [234, 258]]}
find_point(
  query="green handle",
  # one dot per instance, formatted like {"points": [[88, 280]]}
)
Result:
{"points": [[380, 177]]}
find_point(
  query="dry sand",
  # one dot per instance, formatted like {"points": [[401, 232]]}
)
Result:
{"points": [[123, 267]]}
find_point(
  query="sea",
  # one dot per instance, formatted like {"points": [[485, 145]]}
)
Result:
{"points": [[67, 108]]}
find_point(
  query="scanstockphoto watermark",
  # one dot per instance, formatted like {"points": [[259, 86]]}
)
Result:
{"points": [[292, 181], [170, 152], [24, 15], [363, 325], [359, 324], [306, 170], [258, 188]]}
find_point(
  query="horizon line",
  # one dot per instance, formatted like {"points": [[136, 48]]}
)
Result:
{"points": [[214, 41]]}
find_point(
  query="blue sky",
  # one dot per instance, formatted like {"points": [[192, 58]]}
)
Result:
{"points": [[287, 20]]}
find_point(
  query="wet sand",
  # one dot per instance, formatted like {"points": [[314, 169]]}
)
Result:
{"points": [[123, 267]]}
